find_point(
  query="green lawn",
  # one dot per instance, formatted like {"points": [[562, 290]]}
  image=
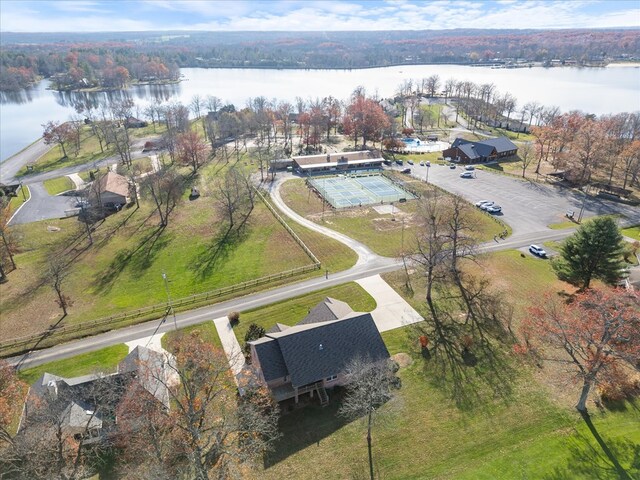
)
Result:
{"points": [[632, 232], [123, 269], [522, 433], [206, 331], [292, 311], [54, 159], [54, 186], [386, 234], [105, 360], [22, 195]]}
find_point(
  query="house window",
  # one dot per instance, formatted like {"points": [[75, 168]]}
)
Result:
{"points": [[331, 378]]}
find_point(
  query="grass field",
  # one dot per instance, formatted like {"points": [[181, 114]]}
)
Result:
{"points": [[385, 234], [206, 331], [292, 311], [105, 360], [524, 433], [22, 195], [123, 269], [54, 186], [632, 232]]}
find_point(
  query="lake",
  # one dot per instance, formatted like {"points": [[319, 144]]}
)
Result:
{"points": [[594, 90]]}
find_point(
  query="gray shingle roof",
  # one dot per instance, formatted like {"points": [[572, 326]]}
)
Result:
{"points": [[149, 367], [501, 144], [312, 352], [328, 310], [270, 358]]}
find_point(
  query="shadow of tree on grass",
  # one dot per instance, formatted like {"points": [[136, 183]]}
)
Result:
{"points": [[598, 457], [218, 250], [138, 259]]}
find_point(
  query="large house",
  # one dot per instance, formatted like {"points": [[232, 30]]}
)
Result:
{"points": [[313, 355], [85, 407], [466, 151], [338, 162]]}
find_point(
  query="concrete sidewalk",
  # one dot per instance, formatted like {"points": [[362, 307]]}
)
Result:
{"points": [[392, 310], [230, 345], [77, 180]]}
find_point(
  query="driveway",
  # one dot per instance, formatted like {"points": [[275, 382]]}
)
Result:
{"points": [[42, 206], [392, 310], [527, 206]]}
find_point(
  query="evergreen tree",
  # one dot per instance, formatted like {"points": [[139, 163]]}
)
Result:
{"points": [[594, 251]]}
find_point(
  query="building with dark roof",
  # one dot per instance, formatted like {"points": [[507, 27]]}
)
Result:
{"points": [[466, 151], [313, 355], [85, 407]]}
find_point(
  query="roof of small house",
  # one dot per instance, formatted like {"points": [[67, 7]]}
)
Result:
{"points": [[149, 367], [484, 148], [113, 183], [501, 144]]}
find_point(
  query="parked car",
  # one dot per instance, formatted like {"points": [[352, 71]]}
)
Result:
{"points": [[422, 164], [387, 162], [494, 208], [466, 175], [410, 162], [482, 202], [399, 162], [487, 205], [428, 164], [406, 170], [469, 167], [539, 251], [82, 204], [452, 166]]}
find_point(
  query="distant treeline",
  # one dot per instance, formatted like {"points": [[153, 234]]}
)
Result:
{"points": [[156, 56]]}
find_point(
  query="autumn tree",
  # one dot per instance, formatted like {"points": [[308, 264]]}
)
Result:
{"points": [[56, 442], [191, 149], [165, 188], [13, 390], [364, 118], [593, 251], [58, 133], [526, 155], [369, 386], [254, 332], [209, 432], [8, 246], [597, 334]]}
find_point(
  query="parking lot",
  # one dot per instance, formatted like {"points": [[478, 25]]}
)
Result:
{"points": [[526, 206]]}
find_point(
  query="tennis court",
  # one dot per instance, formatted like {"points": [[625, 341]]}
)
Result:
{"points": [[352, 191]]}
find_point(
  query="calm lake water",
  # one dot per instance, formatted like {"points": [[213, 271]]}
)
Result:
{"points": [[595, 90]]}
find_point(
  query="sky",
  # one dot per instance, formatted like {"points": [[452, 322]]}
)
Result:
{"points": [[305, 15]]}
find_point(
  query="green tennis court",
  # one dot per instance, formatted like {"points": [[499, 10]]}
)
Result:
{"points": [[354, 191]]}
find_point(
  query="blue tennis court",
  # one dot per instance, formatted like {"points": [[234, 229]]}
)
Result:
{"points": [[353, 191]]}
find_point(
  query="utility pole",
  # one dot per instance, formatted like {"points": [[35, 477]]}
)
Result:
{"points": [[428, 168], [584, 201], [24, 196], [169, 302]]}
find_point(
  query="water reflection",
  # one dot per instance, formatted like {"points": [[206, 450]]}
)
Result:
{"points": [[25, 95]]}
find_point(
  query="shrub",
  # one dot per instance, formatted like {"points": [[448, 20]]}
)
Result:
{"points": [[234, 318]]}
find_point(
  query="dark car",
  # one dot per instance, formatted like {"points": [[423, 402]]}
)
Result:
{"points": [[406, 170], [399, 162]]}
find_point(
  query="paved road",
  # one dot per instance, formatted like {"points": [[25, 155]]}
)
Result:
{"points": [[526, 206], [42, 206], [10, 167]]}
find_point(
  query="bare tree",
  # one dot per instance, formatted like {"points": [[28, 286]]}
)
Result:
{"points": [[57, 272], [526, 154], [209, 432], [234, 198], [165, 188], [369, 386]]}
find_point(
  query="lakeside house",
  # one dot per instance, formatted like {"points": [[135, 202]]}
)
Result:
{"points": [[312, 356], [466, 151], [338, 162], [110, 189]]}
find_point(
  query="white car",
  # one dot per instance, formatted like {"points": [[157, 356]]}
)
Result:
{"points": [[466, 175], [538, 251], [493, 208], [487, 205], [422, 164], [482, 202]]}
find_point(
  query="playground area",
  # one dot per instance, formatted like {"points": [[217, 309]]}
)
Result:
{"points": [[353, 191]]}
